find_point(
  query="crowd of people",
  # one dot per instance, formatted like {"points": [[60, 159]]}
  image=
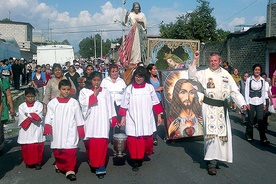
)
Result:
{"points": [[261, 94], [77, 101], [69, 103]]}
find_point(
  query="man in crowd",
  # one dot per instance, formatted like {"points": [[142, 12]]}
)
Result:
{"points": [[216, 122]]}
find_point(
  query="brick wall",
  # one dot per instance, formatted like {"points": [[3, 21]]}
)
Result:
{"points": [[239, 50], [14, 30]]}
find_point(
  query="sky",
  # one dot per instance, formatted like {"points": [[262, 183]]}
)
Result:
{"points": [[75, 20]]}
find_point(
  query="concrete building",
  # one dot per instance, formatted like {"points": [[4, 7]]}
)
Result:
{"points": [[243, 49], [22, 32], [270, 38]]}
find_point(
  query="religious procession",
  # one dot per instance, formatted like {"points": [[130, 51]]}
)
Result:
{"points": [[124, 103]]}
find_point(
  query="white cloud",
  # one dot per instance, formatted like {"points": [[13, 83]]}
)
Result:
{"points": [[168, 15], [235, 22], [39, 14], [259, 19]]}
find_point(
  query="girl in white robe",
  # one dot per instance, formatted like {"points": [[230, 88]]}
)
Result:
{"points": [[64, 122], [30, 135], [98, 111], [137, 107]]}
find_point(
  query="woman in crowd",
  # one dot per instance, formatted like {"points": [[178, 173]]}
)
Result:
{"points": [[116, 87], [39, 81], [241, 85], [237, 78], [267, 99], [154, 80], [48, 72], [81, 80], [255, 100], [52, 90], [73, 76]]}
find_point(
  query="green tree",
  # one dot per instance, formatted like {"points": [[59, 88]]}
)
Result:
{"points": [[87, 46], [54, 42], [222, 35], [198, 25]]}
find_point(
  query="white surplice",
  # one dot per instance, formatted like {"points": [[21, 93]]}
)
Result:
{"points": [[64, 119], [139, 103], [98, 116], [116, 89], [34, 134]]}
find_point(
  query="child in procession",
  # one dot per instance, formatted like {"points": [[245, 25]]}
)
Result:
{"points": [[65, 123], [138, 104], [99, 114], [30, 135]]}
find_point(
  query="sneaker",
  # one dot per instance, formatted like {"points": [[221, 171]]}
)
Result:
{"points": [[71, 177], [101, 170], [155, 142]]}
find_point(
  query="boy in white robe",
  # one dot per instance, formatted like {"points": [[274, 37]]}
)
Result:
{"points": [[98, 111], [64, 121], [138, 104], [30, 135]]}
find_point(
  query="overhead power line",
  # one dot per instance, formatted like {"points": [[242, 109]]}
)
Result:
{"points": [[239, 11]]}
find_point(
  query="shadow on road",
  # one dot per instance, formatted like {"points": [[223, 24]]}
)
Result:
{"points": [[256, 142], [12, 156], [192, 147]]}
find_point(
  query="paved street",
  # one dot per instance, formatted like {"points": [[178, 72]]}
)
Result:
{"points": [[173, 162]]}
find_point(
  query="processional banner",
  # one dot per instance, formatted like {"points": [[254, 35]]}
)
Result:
{"points": [[182, 101]]}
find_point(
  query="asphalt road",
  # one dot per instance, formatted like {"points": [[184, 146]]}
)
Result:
{"points": [[172, 162]]}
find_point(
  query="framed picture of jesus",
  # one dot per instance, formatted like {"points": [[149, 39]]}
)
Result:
{"points": [[182, 100]]}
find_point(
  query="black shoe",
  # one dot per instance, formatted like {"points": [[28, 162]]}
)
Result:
{"points": [[37, 166], [249, 139], [100, 176], [57, 170], [212, 171], [135, 167], [265, 143], [71, 177]]}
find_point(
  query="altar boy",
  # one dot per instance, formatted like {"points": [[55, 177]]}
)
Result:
{"points": [[64, 121], [30, 135]]}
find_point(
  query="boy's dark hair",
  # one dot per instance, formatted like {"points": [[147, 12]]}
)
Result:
{"points": [[88, 83], [30, 90], [64, 82]]}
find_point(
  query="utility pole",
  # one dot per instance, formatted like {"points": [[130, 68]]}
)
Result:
{"points": [[9, 15], [95, 49], [48, 30], [123, 19], [101, 44]]}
